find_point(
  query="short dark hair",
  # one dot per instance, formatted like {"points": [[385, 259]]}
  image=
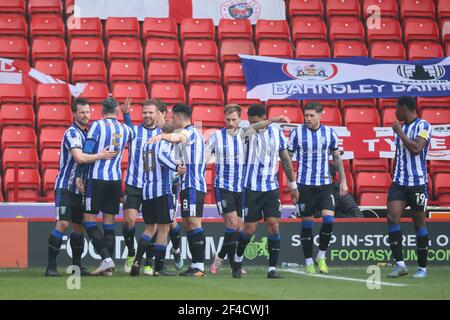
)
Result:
{"points": [[316, 106], [183, 109], [109, 105], [168, 127], [79, 102], [230, 108], [160, 105], [408, 102], [256, 110]]}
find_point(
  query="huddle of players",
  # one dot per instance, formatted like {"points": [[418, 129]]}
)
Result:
{"points": [[246, 184]]}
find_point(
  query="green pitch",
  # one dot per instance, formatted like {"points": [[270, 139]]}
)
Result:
{"points": [[341, 283]]}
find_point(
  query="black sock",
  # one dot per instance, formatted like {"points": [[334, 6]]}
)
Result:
{"points": [[224, 249], [274, 249], [77, 246], [395, 241], [160, 254], [243, 241], [306, 238], [143, 243], [422, 247], [233, 238], [150, 253], [196, 240], [128, 236], [175, 237], [54, 244], [110, 237], [325, 232], [98, 241]]}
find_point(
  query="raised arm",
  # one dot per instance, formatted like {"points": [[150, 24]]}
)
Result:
{"points": [[126, 112], [414, 146], [261, 125]]}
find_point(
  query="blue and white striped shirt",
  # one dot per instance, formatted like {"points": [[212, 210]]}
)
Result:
{"points": [[192, 153], [158, 169], [411, 170], [229, 151], [74, 137], [108, 133], [262, 159], [313, 149], [139, 135]]}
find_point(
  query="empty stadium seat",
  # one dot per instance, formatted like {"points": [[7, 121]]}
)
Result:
{"points": [[331, 116], [170, 93], [56, 68], [354, 116], [421, 29], [48, 48], [234, 29], [53, 93], [388, 117], [371, 199], [199, 49], [95, 92], [14, 48], [417, 8], [86, 27], [433, 102], [88, 70], [306, 49], [443, 9], [349, 49], [441, 185], [305, 7], [164, 71], [13, 6], [50, 158], [13, 25], [326, 103], [275, 48], [28, 184], [237, 93], [206, 94], [50, 137], [96, 112], [126, 70], [49, 179], [389, 30], [285, 103], [136, 91], [388, 8], [210, 116], [230, 48], [272, 29], [18, 137], [54, 115], [16, 114], [309, 29], [122, 27], [86, 48], [372, 182], [424, 50], [346, 30], [372, 103], [343, 8], [45, 7], [26, 157], [123, 48], [436, 115], [439, 166], [197, 29], [202, 71], [295, 115], [233, 73], [159, 28], [387, 50], [15, 93], [46, 26], [161, 49], [367, 165]]}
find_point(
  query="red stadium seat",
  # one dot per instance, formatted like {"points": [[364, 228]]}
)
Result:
{"points": [[88, 70], [441, 185], [54, 115], [136, 91], [436, 116], [372, 182], [343, 29], [305, 7], [295, 115], [48, 48], [389, 30], [161, 49], [206, 94], [388, 117], [443, 9], [49, 179], [53, 93], [237, 93], [28, 184], [331, 116], [372, 103], [13, 25], [46, 26], [230, 48], [122, 27], [419, 50], [275, 48], [197, 29], [349, 49], [367, 117], [439, 166], [164, 71], [325, 103], [95, 92], [135, 113], [388, 8], [50, 137], [50, 158], [272, 29], [11, 156], [417, 8], [18, 137], [306, 49], [13, 6], [233, 73], [421, 29], [86, 48], [96, 111], [446, 31], [202, 71], [126, 70], [433, 102], [14, 48], [234, 29], [199, 50], [16, 114], [367, 165], [210, 116], [371, 199], [45, 6], [86, 27], [15, 93], [309, 29], [343, 8], [56, 68], [288, 104], [387, 103], [170, 93], [159, 28], [126, 48], [387, 50]]}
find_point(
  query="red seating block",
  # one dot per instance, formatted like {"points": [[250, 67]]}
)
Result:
{"points": [[159, 28], [202, 71], [421, 29], [349, 49], [441, 185], [197, 29], [388, 117], [45, 6], [15, 93], [126, 70], [275, 48], [331, 116], [305, 7], [18, 137], [233, 73], [200, 49], [95, 92], [371, 199], [307, 49], [164, 71], [433, 102], [387, 50], [124, 48], [388, 8], [439, 166], [54, 115], [28, 184], [136, 91], [235, 29], [367, 117], [49, 179], [295, 115], [14, 48], [53, 93], [13, 25], [170, 93], [436, 115], [230, 48], [88, 70], [443, 9], [46, 26], [122, 27], [162, 49], [372, 182], [86, 48], [237, 93], [272, 29], [343, 29], [50, 158], [359, 103], [309, 29], [389, 30], [13, 6], [56, 68], [16, 114], [424, 50], [343, 8], [50, 137], [210, 116], [417, 8], [85, 27], [367, 165], [11, 156], [206, 94], [48, 48]]}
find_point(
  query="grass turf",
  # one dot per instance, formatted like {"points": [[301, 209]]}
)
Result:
{"points": [[31, 284]]}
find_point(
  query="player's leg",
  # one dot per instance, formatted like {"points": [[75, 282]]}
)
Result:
{"points": [[150, 252], [109, 232], [272, 215], [326, 205], [76, 237], [175, 238], [306, 209], [417, 199], [110, 207]]}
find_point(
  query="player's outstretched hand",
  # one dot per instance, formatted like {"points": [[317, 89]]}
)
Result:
{"points": [[106, 154], [343, 188], [80, 184], [154, 139], [295, 196], [126, 106], [181, 169], [396, 126]]}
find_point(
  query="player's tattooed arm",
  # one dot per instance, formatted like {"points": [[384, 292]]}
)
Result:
{"points": [[288, 169], [414, 146], [343, 188], [261, 125]]}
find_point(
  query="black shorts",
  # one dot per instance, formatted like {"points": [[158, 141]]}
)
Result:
{"points": [[260, 205], [228, 201], [415, 197], [132, 198], [158, 210], [69, 206], [192, 203], [103, 196], [314, 199]]}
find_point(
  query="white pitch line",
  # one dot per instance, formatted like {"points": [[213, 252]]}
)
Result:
{"points": [[318, 275]]}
